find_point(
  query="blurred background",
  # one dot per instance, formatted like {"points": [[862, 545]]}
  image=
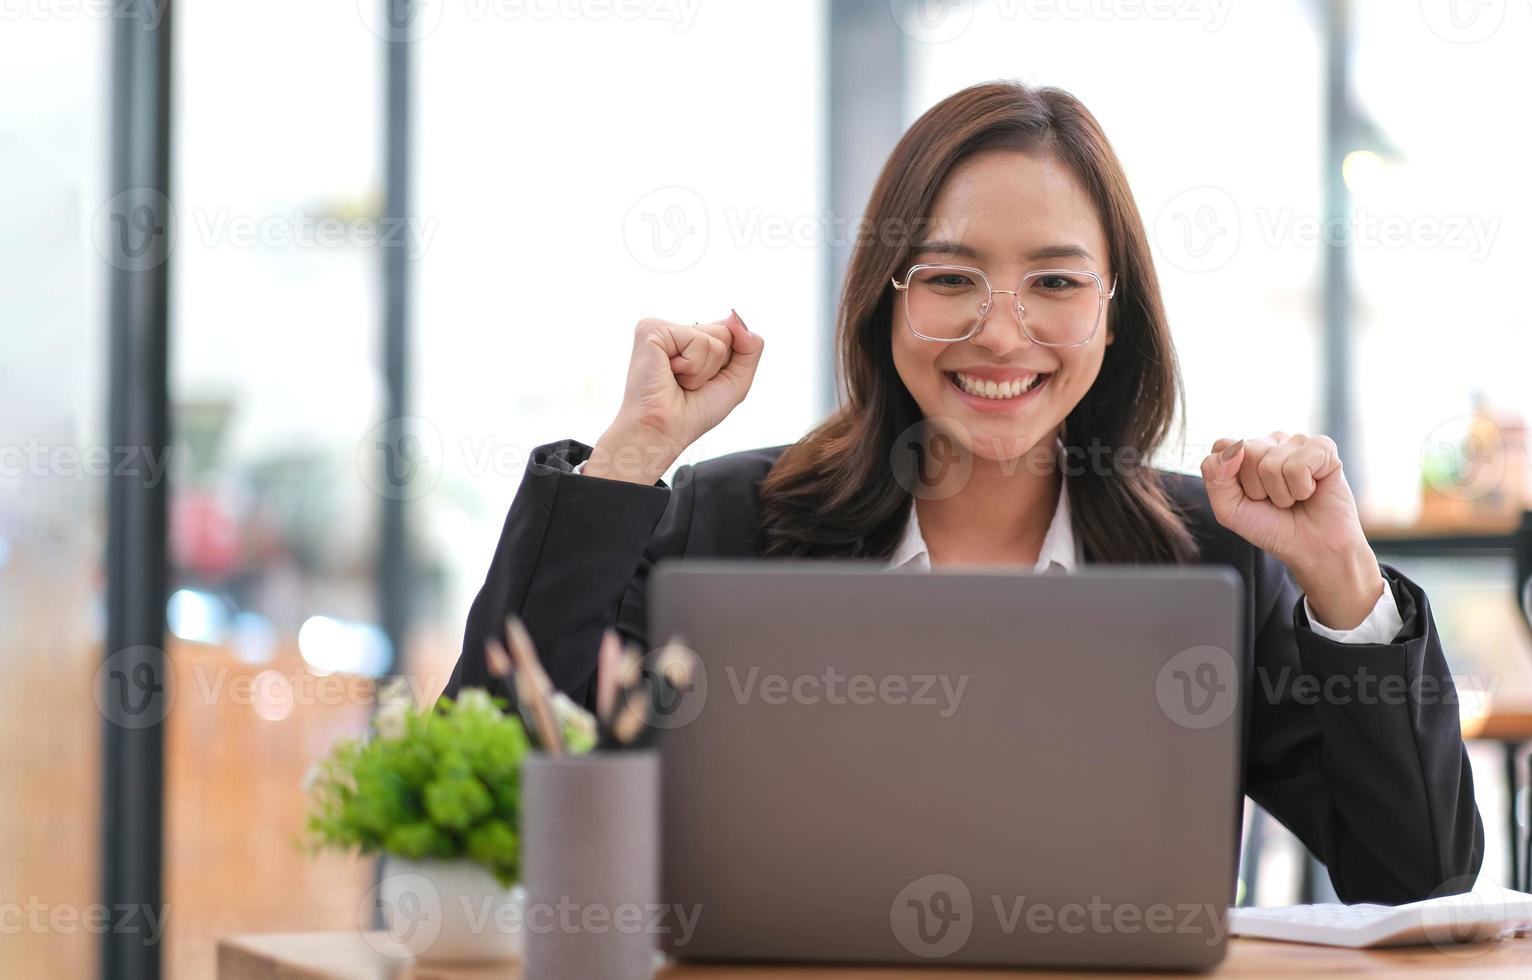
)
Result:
{"points": [[315, 278]]}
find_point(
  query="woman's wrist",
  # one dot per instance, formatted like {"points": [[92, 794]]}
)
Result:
{"points": [[626, 454], [1343, 591]]}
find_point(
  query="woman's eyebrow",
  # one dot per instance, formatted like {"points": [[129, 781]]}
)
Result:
{"points": [[944, 246], [1061, 252]]}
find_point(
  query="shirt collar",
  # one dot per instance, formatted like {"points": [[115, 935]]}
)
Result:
{"points": [[1059, 550]]}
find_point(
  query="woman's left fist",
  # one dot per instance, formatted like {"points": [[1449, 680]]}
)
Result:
{"points": [[1287, 496]]}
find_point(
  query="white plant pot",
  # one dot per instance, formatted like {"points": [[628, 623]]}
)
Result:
{"points": [[451, 911]]}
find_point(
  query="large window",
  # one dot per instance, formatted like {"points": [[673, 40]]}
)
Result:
{"points": [[1215, 112], [576, 174], [275, 385], [1443, 240], [54, 463], [547, 220]]}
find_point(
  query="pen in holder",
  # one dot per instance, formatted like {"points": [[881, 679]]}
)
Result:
{"points": [[590, 862]]}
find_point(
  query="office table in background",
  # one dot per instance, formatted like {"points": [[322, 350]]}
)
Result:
{"points": [[333, 955]]}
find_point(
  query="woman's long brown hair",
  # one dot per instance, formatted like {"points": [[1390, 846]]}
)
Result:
{"points": [[834, 493]]}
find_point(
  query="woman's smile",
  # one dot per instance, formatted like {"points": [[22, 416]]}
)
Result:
{"points": [[997, 390]]}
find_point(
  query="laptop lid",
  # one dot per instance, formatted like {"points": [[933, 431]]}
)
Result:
{"points": [[959, 766]]}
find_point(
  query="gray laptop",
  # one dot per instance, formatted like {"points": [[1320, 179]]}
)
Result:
{"points": [[957, 766]]}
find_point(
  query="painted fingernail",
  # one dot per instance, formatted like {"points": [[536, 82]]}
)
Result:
{"points": [[1231, 451], [739, 318]]}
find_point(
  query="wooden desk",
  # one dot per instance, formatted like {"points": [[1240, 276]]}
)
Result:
{"points": [[1508, 722], [350, 955]]}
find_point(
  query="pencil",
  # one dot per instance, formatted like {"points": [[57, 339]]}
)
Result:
{"points": [[607, 663], [532, 684]]}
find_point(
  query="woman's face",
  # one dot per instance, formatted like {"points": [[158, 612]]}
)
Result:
{"points": [[1006, 213]]}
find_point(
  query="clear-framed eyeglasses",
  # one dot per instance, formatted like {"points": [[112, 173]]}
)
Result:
{"points": [[1056, 307]]}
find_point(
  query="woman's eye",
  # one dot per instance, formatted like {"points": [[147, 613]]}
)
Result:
{"points": [[1056, 283], [950, 280]]}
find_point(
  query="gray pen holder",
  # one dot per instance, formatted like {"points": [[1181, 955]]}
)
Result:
{"points": [[590, 837]]}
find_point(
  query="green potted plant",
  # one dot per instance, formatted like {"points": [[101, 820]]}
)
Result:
{"points": [[437, 792]]}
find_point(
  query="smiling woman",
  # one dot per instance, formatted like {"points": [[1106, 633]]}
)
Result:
{"points": [[1023, 187], [1019, 333]]}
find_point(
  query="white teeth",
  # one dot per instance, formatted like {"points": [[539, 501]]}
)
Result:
{"points": [[985, 388]]}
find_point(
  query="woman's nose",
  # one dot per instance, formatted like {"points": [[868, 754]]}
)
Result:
{"points": [[1001, 331]]}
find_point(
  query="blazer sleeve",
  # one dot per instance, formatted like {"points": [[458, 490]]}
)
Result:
{"points": [[1356, 748], [572, 559]]}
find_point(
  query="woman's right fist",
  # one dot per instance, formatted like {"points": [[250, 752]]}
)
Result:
{"points": [[682, 381]]}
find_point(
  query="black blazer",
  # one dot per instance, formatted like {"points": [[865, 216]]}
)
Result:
{"points": [[1377, 785]]}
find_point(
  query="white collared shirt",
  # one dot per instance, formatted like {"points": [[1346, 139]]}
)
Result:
{"points": [[1060, 552]]}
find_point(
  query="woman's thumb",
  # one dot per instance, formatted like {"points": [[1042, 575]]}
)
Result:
{"points": [[745, 354], [1220, 474]]}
